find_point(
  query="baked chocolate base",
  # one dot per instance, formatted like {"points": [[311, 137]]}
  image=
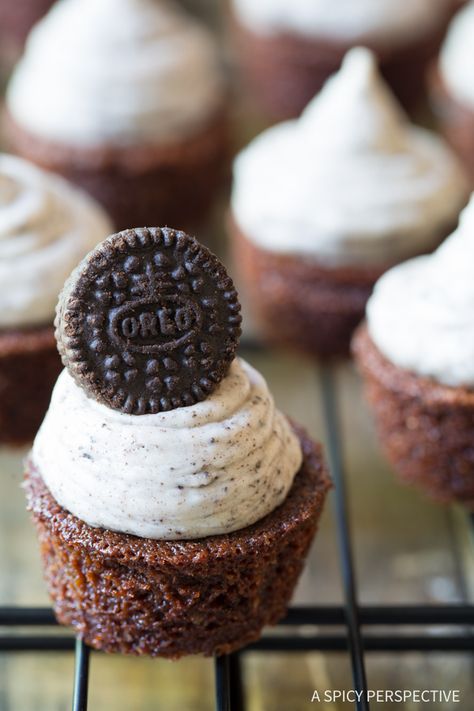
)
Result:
{"points": [[426, 429], [302, 305], [166, 184], [170, 599], [456, 121], [29, 367], [284, 72]]}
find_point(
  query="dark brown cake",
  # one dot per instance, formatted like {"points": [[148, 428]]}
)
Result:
{"points": [[141, 185], [284, 72], [456, 122], [29, 366], [169, 599], [426, 429], [303, 305]]}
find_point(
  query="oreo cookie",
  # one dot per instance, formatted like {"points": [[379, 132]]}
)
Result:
{"points": [[148, 322]]}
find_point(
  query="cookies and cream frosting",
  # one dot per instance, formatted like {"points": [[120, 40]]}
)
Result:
{"points": [[46, 227], [390, 20], [351, 181], [117, 71], [421, 315], [211, 468], [457, 56]]}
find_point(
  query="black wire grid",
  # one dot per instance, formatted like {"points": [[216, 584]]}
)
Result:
{"points": [[354, 640]]}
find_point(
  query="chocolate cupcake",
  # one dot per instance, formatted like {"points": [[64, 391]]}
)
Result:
{"points": [[174, 510], [452, 87], [323, 205], [126, 99], [287, 50], [46, 227], [416, 355], [16, 20]]}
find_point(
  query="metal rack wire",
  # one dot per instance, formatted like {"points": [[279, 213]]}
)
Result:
{"points": [[355, 639]]}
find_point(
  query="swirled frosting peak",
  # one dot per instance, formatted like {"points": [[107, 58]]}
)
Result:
{"points": [[351, 181], [46, 227], [118, 71], [421, 315], [207, 469]]}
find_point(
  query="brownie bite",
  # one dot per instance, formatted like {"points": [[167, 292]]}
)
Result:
{"points": [[165, 486], [416, 356], [46, 227], [128, 101], [322, 206], [287, 50]]}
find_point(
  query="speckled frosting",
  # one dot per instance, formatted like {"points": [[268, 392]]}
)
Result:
{"points": [[389, 20], [211, 468], [421, 315], [116, 71], [352, 182], [46, 228]]}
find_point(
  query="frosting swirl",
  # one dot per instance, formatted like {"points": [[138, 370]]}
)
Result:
{"points": [[211, 468], [351, 181], [389, 20], [46, 227], [118, 71], [421, 315], [457, 56]]}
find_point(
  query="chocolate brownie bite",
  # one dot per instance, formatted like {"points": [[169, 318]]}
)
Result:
{"points": [[287, 50], [46, 227], [126, 99], [186, 503], [416, 356], [322, 206]]}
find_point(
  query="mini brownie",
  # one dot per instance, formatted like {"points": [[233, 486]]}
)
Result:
{"points": [[142, 124], [24, 397], [141, 185], [174, 504], [46, 227], [170, 599], [426, 428], [303, 305], [285, 70], [323, 205]]}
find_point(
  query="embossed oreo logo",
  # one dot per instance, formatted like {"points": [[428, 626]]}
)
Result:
{"points": [[156, 327], [149, 322]]}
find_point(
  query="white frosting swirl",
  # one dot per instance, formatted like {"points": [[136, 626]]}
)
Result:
{"points": [[118, 71], [421, 315], [351, 181], [457, 56], [46, 228], [211, 468], [388, 20]]}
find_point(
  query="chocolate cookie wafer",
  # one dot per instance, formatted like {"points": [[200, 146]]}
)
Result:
{"points": [[149, 321]]}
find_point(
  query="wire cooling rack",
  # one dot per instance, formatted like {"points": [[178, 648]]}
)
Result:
{"points": [[356, 621]]}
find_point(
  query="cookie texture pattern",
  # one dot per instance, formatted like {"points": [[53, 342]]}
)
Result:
{"points": [[149, 321]]}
